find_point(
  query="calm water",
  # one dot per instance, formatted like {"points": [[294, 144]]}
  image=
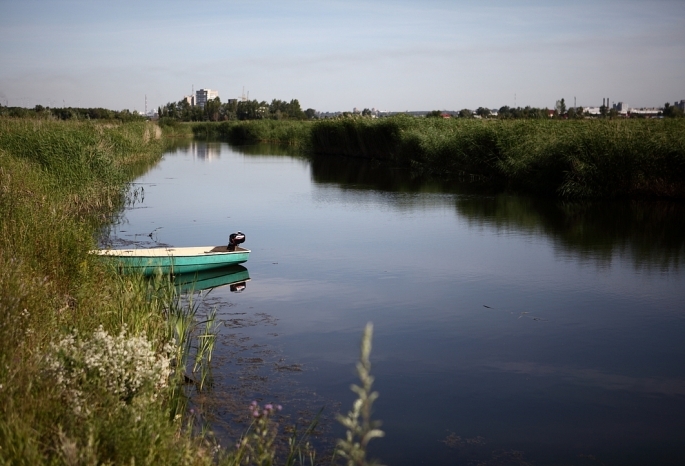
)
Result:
{"points": [[502, 324]]}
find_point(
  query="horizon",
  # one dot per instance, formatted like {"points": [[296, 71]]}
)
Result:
{"points": [[390, 55]]}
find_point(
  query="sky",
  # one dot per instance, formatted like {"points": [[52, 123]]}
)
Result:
{"points": [[392, 55]]}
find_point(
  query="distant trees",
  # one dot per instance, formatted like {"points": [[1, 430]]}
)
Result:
{"points": [[561, 107], [672, 111], [483, 112], [214, 110], [70, 113], [506, 112]]}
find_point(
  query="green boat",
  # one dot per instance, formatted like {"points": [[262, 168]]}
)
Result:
{"points": [[235, 276], [174, 260]]}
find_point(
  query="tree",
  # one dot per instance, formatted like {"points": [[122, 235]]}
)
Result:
{"points": [[483, 112], [310, 113], [561, 107], [465, 113], [672, 111], [434, 114], [211, 110]]}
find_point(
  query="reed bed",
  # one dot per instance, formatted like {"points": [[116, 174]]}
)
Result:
{"points": [[570, 159], [75, 337], [285, 132]]}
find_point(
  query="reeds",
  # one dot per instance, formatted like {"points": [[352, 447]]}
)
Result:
{"points": [[285, 132], [62, 311], [570, 159]]}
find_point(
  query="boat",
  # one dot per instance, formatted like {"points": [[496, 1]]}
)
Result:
{"points": [[235, 276], [174, 260]]}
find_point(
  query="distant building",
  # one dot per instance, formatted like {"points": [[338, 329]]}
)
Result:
{"points": [[190, 99], [202, 96]]}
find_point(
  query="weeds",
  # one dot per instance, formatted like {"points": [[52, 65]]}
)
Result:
{"points": [[361, 429]]}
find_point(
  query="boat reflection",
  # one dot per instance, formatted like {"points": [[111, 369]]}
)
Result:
{"points": [[235, 276]]}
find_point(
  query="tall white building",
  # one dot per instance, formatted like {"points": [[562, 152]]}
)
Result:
{"points": [[202, 96]]}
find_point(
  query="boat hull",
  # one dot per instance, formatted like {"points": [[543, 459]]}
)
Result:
{"points": [[173, 260]]}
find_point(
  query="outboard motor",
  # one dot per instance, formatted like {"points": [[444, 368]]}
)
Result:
{"points": [[235, 239]]}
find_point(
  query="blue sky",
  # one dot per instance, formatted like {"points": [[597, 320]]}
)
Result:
{"points": [[336, 55]]}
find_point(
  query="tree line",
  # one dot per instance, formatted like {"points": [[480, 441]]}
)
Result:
{"points": [[70, 113], [560, 111], [233, 109]]}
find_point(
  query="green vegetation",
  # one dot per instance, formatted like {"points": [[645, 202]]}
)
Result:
{"points": [[94, 366], [573, 159], [576, 158], [234, 109], [70, 113], [87, 358], [291, 133]]}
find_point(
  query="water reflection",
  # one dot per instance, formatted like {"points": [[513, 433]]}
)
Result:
{"points": [[205, 151], [235, 277], [495, 327], [649, 232]]}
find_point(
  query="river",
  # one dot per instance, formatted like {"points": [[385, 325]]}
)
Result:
{"points": [[507, 330]]}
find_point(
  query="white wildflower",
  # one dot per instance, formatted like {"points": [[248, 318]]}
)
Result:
{"points": [[125, 366]]}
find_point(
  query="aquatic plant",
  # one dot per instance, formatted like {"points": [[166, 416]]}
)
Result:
{"points": [[361, 429]]}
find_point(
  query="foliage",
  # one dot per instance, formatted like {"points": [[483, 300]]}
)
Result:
{"points": [[70, 113], [575, 158], [361, 429], [672, 111], [233, 109], [84, 353], [285, 132]]}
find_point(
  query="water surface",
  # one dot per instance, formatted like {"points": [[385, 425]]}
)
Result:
{"points": [[507, 329]]}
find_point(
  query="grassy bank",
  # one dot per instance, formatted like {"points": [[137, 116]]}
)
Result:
{"points": [[86, 370], [94, 365], [570, 159]]}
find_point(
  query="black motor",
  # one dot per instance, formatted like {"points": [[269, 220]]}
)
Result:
{"points": [[234, 239]]}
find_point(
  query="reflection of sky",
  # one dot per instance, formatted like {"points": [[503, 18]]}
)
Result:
{"points": [[562, 344]]}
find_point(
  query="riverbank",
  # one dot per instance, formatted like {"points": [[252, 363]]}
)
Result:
{"points": [[86, 356], [571, 159]]}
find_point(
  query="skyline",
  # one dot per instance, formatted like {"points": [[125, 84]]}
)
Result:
{"points": [[333, 56]]}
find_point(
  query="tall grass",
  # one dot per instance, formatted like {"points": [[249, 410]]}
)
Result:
{"points": [[286, 132], [69, 327], [569, 159], [95, 366], [573, 159]]}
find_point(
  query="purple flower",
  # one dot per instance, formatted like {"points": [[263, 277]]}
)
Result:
{"points": [[269, 407]]}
